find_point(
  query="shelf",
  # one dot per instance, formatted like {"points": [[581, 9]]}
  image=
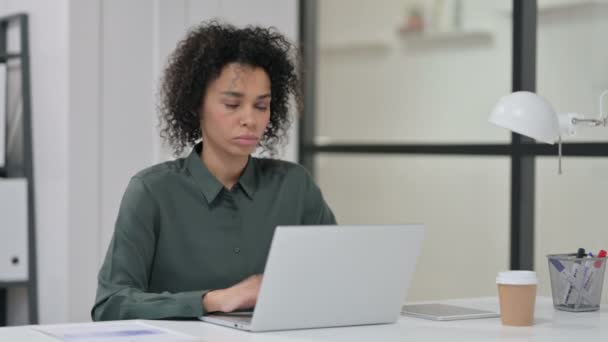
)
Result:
{"points": [[321, 140], [569, 7], [563, 6], [16, 283], [355, 45], [24, 155], [415, 38], [4, 57], [422, 38]]}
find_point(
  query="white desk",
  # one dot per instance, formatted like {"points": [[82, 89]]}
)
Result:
{"points": [[550, 325]]}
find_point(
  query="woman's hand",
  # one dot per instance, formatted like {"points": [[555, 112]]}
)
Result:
{"points": [[243, 295]]}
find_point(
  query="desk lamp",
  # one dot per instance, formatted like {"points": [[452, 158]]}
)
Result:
{"points": [[531, 115]]}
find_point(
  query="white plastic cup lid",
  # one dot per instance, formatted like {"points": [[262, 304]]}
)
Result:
{"points": [[517, 278]]}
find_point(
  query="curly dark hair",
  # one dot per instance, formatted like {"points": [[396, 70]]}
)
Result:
{"points": [[199, 59]]}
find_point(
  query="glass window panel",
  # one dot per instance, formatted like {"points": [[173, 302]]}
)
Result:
{"points": [[570, 211], [463, 201], [377, 85], [572, 62]]}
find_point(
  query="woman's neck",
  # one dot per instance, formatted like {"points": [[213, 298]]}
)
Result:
{"points": [[226, 168]]}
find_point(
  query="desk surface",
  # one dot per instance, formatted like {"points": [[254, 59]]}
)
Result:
{"points": [[550, 325]]}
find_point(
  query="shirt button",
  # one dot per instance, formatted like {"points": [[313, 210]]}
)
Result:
{"points": [[237, 250]]}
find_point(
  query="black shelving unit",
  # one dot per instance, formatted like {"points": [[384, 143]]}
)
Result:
{"points": [[19, 157]]}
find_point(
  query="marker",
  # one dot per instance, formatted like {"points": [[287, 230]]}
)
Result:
{"points": [[581, 253], [575, 269], [562, 270], [601, 254], [585, 281], [596, 266]]}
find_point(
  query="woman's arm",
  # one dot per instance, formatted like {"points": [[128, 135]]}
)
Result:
{"points": [[122, 291], [316, 210], [243, 295], [123, 278]]}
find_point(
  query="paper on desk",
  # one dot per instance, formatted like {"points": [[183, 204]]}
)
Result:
{"points": [[118, 332]]}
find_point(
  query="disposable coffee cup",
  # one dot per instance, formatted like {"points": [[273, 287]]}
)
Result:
{"points": [[517, 296]]}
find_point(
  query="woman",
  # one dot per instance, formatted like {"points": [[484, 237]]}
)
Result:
{"points": [[192, 235]]}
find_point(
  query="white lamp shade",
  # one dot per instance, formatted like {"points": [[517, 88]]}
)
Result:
{"points": [[528, 114]]}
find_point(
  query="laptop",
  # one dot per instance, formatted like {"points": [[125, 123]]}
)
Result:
{"points": [[331, 276]]}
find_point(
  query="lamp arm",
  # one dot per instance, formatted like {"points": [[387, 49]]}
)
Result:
{"points": [[591, 122], [567, 121], [559, 154], [603, 118]]}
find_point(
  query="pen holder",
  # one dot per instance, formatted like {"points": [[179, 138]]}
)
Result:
{"points": [[576, 283]]}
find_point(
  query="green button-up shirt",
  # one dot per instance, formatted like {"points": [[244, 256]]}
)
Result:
{"points": [[181, 233]]}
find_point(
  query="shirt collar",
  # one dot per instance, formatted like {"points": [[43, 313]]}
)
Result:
{"points": [[249, 180], [210, 185]]}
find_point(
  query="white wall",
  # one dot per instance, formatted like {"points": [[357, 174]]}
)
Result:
{"points": [[378, 86], [572, 61], [392, 89], [95, 70], [572, 73], [85, 132], [462, 201], [127, 102]]}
